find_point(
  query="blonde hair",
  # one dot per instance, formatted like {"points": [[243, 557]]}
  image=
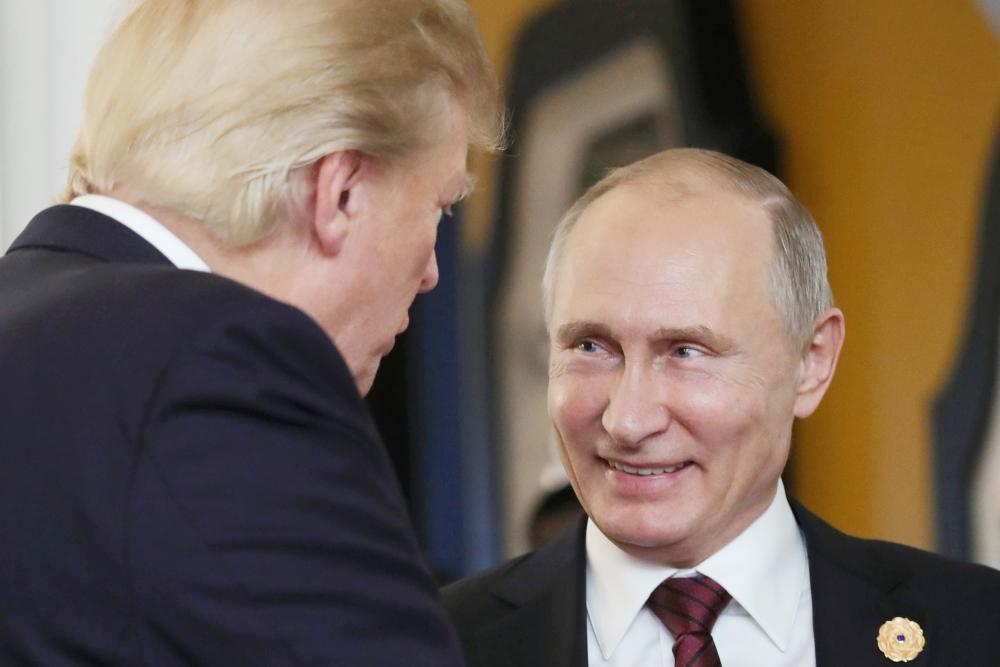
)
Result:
{"points": [[215, 109], [798, 272]]}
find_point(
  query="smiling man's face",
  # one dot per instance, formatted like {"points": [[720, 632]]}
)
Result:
{"points": [[672, 382]]}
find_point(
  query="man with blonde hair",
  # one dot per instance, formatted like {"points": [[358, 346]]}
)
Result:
{"points": [[690, 323], [190, 475]]}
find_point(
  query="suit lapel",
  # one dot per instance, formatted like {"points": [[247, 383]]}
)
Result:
{"points": [[854, 591], [82, 230], [546, 626]]}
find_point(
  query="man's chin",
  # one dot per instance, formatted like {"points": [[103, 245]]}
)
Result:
{"points": [[642, 539], [364, 378]]}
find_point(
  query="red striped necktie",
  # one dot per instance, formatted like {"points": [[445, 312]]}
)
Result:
{"points": [[689, 607]]}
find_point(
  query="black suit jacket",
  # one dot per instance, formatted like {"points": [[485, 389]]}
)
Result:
{"points": [[531, 611], [188, 475]]}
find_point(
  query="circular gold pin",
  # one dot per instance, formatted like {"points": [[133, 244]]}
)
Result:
{"points": [[900, 639]]}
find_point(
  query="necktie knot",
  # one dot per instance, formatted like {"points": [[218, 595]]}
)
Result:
{"points": [[689, 607]]}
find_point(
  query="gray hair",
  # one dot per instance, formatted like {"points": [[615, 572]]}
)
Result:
{"points": [[798, 272]]}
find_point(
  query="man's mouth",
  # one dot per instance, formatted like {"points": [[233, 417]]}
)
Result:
{"points": [[644, 471]]}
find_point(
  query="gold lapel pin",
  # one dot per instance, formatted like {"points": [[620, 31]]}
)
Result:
{"points": [[900, 640]]}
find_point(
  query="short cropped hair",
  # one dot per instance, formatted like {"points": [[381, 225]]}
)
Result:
{"points": [[798, 272], [215, 109]]}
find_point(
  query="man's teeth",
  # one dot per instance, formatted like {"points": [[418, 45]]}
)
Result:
{"points": [[645, 471]]}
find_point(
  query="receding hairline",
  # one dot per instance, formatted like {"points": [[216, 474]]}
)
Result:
{"points": [[685, 172], [658, 189], [795, 240], [665, 179]]}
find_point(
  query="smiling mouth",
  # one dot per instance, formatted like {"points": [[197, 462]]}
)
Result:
{"points": [[646, 471]]}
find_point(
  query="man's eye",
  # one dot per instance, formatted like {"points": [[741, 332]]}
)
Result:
{"points": [[687, 352], [588, 346]]}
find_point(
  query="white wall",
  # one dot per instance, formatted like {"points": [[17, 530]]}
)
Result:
{"points": [[46, 50]]}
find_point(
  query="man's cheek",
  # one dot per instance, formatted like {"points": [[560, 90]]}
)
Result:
{"points": [[717, 401], [577, 406]]}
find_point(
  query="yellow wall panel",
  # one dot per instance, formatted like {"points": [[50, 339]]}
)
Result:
{"points": [[887, 111]]}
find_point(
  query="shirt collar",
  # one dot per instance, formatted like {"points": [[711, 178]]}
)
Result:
{"points": [[618, 586], [153, 232], [765, 569]]}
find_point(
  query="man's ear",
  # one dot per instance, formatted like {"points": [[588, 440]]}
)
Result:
{"points": [[819, 361], [337, 178]]}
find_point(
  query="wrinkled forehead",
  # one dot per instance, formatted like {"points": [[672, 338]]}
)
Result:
{"points": [[651, 223], [635, 248], [639, 263]]}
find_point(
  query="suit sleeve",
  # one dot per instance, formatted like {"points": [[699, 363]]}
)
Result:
{"points": [[265, 524]]}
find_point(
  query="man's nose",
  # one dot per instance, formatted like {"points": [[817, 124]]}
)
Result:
{"points": [[430, 277], [637, 406]]}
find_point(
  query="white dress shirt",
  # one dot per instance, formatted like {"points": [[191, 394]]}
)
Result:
{"points": [[146, 226], [768, 623]]}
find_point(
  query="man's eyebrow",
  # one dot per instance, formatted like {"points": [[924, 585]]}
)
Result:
{"points": [[572, 331], [697, 334]]}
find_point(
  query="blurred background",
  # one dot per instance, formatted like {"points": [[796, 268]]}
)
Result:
{"points": [[882, 116]]}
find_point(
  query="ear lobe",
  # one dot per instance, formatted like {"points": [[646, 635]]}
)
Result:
{"points": [[819, 362], [336, 179]]}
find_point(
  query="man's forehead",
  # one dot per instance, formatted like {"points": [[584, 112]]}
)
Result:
{"points": [[638, 253], [638, 216]]}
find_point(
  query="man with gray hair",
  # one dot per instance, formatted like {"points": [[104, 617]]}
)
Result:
{"points": [[690, 324], [190, 475]]}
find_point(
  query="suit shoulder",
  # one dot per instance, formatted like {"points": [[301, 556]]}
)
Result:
{"points": [[146, 303], [238, 341], [144, 324], [474, 603], [920, 563], [921, 574], [180, 296], [192, 306], [474, 592], [929, 570], [484, 596]]}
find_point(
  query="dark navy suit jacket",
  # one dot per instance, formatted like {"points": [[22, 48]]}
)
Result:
{"points": [[188, 475], [531, 612]]}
